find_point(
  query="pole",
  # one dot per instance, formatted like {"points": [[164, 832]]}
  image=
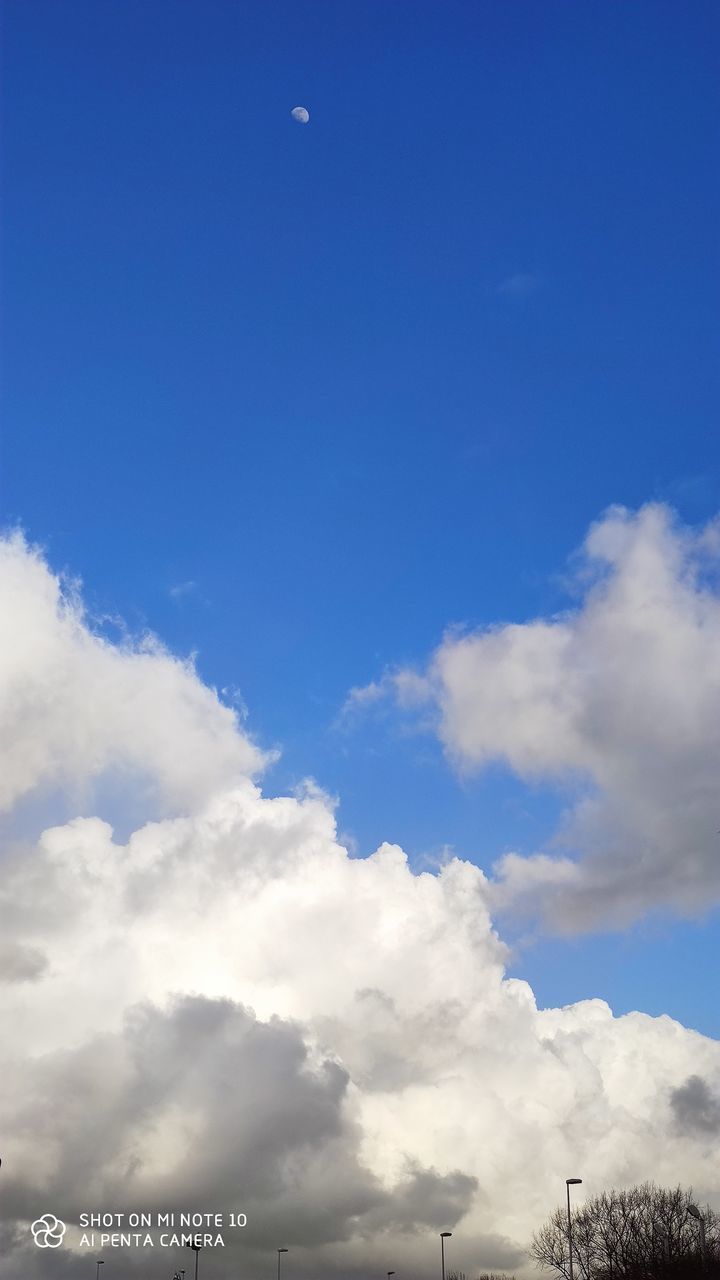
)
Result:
{"points": [[278, 1254], [696, 1214], [567, 1188], [444, 1235], [703, 1243]]}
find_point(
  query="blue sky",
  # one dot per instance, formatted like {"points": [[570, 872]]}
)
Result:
{"points": [[363, 380]]}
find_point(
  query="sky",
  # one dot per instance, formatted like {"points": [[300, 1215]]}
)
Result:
{"points": [[360, 488]]}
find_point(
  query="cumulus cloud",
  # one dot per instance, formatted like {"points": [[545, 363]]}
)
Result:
{"points": [[617, 703], [73, 706], [228, 1012]]}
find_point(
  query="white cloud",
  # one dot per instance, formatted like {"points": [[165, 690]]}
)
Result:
{"points": [[182, 589], [225, 1010], [617, 703], [73, 706], [407, 688]]}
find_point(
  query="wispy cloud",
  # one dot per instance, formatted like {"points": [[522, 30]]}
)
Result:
{"points": [[182, 589], [407, 689], [520, 285]]}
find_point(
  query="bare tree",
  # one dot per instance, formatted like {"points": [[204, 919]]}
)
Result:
{"points": [[641, 1233]]}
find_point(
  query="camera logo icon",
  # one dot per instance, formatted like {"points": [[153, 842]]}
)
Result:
{"points": [[48, 1231]]}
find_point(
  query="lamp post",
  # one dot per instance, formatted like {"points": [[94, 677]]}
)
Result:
{"points": [[389, 1274], [100, 1264], [570, 1182], [278, 1254], [695, 1213], [196, 1250], [444, 1235]]}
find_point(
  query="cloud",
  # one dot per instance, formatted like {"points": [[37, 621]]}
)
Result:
{"points": [[20, 964], [192, 1100], [616, 703], [233, 1014], [520, 285], [407, 688], [695, 1106], [75, 706], [182, 589]]}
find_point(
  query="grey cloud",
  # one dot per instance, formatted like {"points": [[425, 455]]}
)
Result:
{"points": [[248, 1095], [429, 1199], [253, 1119], [696, 1108], [20, 963]]}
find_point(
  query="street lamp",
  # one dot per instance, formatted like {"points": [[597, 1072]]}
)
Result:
{"points": [[389, 1274], [196, 1250], [444, 1235], [570, 1182], [278, 1254], [100, 1264], [695, 1213]]}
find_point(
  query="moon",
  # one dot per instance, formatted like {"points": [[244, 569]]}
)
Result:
{"points": [[301, 114]]}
